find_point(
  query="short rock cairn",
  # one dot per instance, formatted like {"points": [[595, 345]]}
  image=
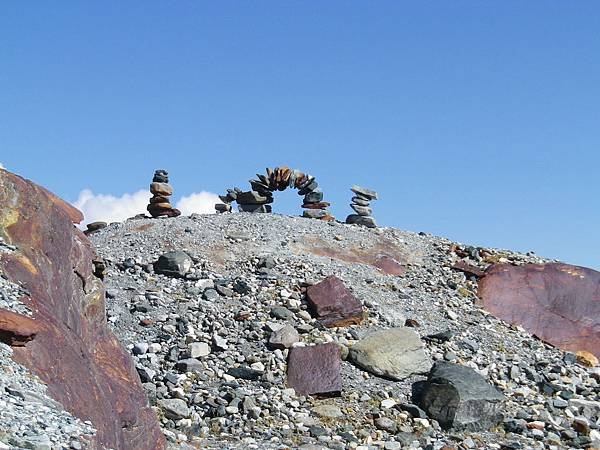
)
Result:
{"points": [[360, 204], [259, 199], [161, 191]]}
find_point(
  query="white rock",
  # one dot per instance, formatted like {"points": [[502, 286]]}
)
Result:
{"points": [[388, 403], [198, 349]]}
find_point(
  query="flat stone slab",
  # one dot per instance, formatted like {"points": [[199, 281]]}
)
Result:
{"points": [[315, 370], [559, 303], [333, 304], [161, 189], [397, 353], [364, 192], [253, 198], [459, 398]]}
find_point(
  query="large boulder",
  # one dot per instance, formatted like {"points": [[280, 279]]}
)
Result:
{"points": [[459, 398], [556, 302], [74, 353], [396, 354]]}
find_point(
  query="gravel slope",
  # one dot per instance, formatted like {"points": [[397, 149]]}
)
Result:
{"points": [[229, 301]]}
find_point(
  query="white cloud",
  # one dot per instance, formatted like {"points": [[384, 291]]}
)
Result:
{"points": [[108, 208], [201, 203], [1, 166]]}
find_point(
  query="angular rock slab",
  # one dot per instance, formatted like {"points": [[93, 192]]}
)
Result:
{"points": [[459, 398], [333, 304], [74, 353], [556, 302], [315, 370], [397, 353]]}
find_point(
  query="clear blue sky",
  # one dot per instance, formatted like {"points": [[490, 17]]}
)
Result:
{"points": [[478, 121]]}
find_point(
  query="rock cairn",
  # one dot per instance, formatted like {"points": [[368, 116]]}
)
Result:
{"points": [[259, 199], [161, 191], [361, 204]]}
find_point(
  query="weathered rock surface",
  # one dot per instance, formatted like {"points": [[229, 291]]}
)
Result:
{"points": [[315, 370], [333, 304], [83, 364], [458, 397], [396, 353], [558, 303], [15, 329]]}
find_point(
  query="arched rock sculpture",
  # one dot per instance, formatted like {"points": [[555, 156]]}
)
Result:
{"points": [[258, 199]]}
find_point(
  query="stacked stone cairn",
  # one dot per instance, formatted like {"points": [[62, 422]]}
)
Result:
{"points": [[259, 199], [227, 199], [161, 191], [360, 204]]}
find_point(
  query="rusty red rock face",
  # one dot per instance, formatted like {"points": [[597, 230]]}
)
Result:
{"points": [[315, 370], [385, 254], [15, 329], [74, 353], [333, 304], [558, 303]]}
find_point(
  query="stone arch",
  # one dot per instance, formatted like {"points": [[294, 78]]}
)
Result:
{"points": [[260, 197]]}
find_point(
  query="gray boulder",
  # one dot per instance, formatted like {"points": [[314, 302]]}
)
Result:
{"points": [[396, 353], [174, 408], [366, 221], [284, 338], [173, 264], [459, 398]]}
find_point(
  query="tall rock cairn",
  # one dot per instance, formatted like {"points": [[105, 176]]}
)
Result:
{"points": [[361, 204], [161, 191]]}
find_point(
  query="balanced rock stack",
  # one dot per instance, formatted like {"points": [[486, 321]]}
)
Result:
{"points": [[161, 191], [227, 199], [360, 204]]}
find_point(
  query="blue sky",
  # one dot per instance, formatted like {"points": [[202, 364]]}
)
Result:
{"points": [[478, 121]]}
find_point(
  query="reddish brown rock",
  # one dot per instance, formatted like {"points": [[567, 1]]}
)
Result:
{"points": [[74, 353], [15, 329], [385, 254], [389, 265], [558, 303], [315, 370], [468, 269], [333, 304]]}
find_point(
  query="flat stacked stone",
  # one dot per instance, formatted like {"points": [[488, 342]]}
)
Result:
{"points": [[361, 204], [161, 191], [227, 199], [254, 201]]}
